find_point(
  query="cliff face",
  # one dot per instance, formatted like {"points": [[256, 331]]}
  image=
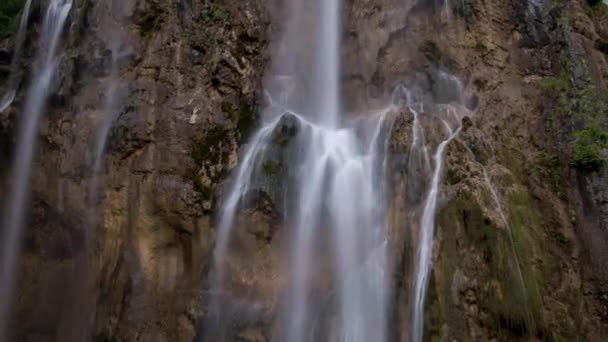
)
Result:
{"points": [[521, 246]]}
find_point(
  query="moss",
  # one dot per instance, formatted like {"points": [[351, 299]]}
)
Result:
{"points": [[283, 134], [243, 115], [588, 148], [507, 255], [271, 168], [589, 106], [548, 166], [10, 14], [214, 13], [595, 7]]}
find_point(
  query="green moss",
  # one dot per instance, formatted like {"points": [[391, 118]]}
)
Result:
{"points": [[589, 106], [558, 83], [10, 14], [513, 277], [548, 166], [271, 168], [595, 7], [243, 115], [214, 13], [283, 135]]}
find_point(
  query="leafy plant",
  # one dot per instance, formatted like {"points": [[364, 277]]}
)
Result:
{"points": [[588, 148], [10, 14], [595, 7], [214, 13], [589, 107]]}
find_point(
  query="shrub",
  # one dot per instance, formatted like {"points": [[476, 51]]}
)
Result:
{"points": [[10, 11], [587, 153]]}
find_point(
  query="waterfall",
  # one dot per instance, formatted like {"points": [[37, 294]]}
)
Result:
{"points": [[13, 80], [446, 107], [334, 188], [427, 230], [46, 64]]}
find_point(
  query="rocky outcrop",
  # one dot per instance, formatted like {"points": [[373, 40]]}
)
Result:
{"points": [[190, 75], [520, 249]]}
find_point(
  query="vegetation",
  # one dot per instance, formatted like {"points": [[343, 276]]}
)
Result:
{"points": [[271, 168], [595, 7], [516, 272], [214, 13], [588, 149], [548, 166], [589, 107], [10, 14], [244, 115]]}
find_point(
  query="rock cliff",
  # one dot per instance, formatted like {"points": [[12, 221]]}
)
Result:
{"points": [[521, 245]]}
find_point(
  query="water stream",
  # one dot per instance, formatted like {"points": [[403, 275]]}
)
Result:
{"points": [[36, 98]]}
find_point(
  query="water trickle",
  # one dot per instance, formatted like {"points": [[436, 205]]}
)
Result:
{"points": [[46, 64], [13, 79], [445, 105]]}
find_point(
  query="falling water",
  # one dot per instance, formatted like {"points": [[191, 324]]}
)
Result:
{"points": [[447, 106], [13, 79], [334, 184], [110, 111], [55, 19]]}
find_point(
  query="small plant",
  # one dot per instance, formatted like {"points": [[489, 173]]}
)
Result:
{"points": [[588, 148], [271, 168], [548, 166], [10, 14], [589, 106], [595, 7], [214, 13]]}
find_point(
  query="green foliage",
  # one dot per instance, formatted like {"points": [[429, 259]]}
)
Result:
{"points": [[214, 13], [587, 152], [514, 271], [560, 83], [595, 7], [589, 106], [10, 14], [271, 168], [548, 166]]}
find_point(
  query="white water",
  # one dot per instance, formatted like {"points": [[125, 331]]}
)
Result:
{"points": [[13, 80], [450, 116], [110, 112], [15, 204], [335, 189]]}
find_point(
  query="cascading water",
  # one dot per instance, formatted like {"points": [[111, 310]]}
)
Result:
{"points": [[46, 64], [333, 184], [14, 77], [446, 108]]}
